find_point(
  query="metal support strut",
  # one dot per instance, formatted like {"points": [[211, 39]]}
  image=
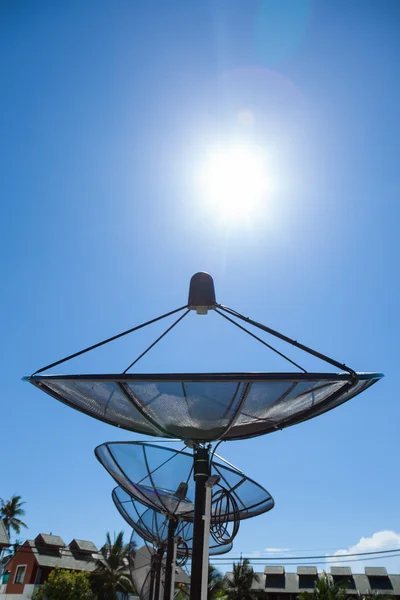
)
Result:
{"points": [[168, 591], [152, 578], [157, 586], [201, 475]]}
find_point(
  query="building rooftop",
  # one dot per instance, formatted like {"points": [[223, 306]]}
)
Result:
{"points": [[341, 571], [51, 551], [83, 546], [275, 580], [181, 576], [274, 570], [307, 571], [50, 540], [376, 572], [62, 557], [65, 559]]}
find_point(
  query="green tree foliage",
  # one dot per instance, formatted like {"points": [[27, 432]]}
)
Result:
{"points": [[68, 585], [10, 512], [325, 589], [374, 596], [216, 586], [182, 592], [13, 549], [112, 570], [238, 586], [216, 583]]}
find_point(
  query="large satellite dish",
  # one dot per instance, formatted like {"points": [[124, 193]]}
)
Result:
{"points": [[164, 480], [152, 526], [206, 406], [144, 571], [153, 474], [203, 407]]}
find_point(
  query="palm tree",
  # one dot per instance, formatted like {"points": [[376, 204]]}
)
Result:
{"points": [[238, 587], [9, 513], [216, 583], [13, 549], [111, 574], [325, 589]]}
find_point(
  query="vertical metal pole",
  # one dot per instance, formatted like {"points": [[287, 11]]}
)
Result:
{"points": [[169, 559], [152, 578], [206, 545], [173, 568], [201, 474], [159, 555]]}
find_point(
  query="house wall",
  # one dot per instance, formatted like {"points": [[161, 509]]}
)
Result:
{"points": [[23, 557], [26, 593]]}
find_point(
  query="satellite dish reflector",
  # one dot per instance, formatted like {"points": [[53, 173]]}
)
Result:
{"points": [[200, 408], [151, 474], [143, 571], [147, 573], [152, 526], [205, 406]]}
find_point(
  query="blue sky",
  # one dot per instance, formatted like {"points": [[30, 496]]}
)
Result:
{"points": [[108, 109]]}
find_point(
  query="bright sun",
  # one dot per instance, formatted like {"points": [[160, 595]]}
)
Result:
{"points": [[234, 181]]}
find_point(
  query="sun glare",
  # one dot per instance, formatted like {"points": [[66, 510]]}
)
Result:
{"points": [[234, 181]]}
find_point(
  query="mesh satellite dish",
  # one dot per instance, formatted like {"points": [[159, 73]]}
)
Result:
{"points": [[147, 573], [153, 475], [152, 526], [144, 569], [205, 407], [162, 535], [162, 479]]}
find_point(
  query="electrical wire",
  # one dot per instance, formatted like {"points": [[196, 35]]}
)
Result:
{"points": [[341, 559], [325, 555], [223, 528], [377, 554]]}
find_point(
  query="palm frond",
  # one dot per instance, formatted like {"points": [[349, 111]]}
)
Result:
{"points": [[111, 574]]}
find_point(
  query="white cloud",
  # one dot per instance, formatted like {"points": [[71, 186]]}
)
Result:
{"points": [[265, 552], [253, 554], [380, 540]]}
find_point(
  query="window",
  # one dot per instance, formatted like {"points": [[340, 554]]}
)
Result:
{"points": [[20, 574], [345, 582], [307, 581], [275, 580], [380, 583], [6, 576]]}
